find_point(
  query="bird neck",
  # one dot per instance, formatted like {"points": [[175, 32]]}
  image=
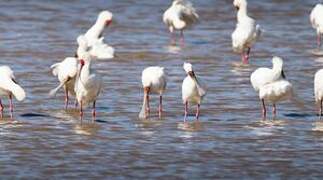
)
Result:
{"points": [[242, 13], [97, 29], [85, 71], [277, 69]]}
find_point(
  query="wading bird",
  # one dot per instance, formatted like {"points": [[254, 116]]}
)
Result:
{"points": [[271, 84], [246, 32], [179, 16], [153, 81], [9, 87], [316, 19], [192, 91]]}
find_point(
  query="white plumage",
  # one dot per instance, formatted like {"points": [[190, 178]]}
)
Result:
{"points": [[153, 81], [271, 84], [246, 32], [88, 84], [66, 73], [9, 87], [192, 92], [94, 39], [179, 16], [316, 18], [318, 88]]}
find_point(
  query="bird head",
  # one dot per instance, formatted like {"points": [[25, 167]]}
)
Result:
{"points": [[239, 3], [105, 17], [189, 69]]}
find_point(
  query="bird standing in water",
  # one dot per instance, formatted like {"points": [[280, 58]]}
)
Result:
{"points": [[179, 16], [153, 81], [192, 92]]}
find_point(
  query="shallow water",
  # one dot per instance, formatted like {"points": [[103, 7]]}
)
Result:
{"points": [[229, 141]]}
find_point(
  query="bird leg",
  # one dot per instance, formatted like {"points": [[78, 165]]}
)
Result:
{"points": [[198, 111], [318, 40], [66, 98], [94, 111], [182, 38], [263, 109], [185, 110], [75, 103], [11, 106], [172, 38], [1, 109], [274, 111], [146, 92], [160, 106], [247, 55], [81, 110], [320, 109]]}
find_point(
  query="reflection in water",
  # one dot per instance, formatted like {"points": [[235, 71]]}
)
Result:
{"points": [[318, 126], [190, 126], [86, 128]]}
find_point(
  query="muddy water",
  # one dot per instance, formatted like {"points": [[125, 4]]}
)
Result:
{"points": [[229, 141]]}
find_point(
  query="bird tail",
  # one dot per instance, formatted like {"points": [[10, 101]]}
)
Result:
{"points": [[54, 68], [143, 108], [18, 92], [53, 92]]}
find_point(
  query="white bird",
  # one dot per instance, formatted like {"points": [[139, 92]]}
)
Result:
{"points": [[316, 18], [318, 89], [246, 32], [179, 16], [95, 32], [9, 87], [66, 73], [271, 84], [88, 84], [192, 92], [95, 40], [153, 81]]}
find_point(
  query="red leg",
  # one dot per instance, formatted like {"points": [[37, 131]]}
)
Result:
{"points": [[243, 57], [318, 39], [321, 109], [81, 110], [198, 111], [147, 90], [1, 109], [94, 111], [66, 98], [185, 111], [247, 55], [11, 106], [263, 109], [182, 38], [274, 111], [75, 103], [172, 38], [160, 106]]}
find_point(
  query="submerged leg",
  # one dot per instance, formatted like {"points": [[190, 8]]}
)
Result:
{"points": [[182, 38], [11, 106], [263, 109], [185, 111], [147, 110], [160, 109], [172, 38], [321, 108], [66, 98], [1, 109], [94, 111], [274, 111], [318, 39], [198, 111], [81, 110]]}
